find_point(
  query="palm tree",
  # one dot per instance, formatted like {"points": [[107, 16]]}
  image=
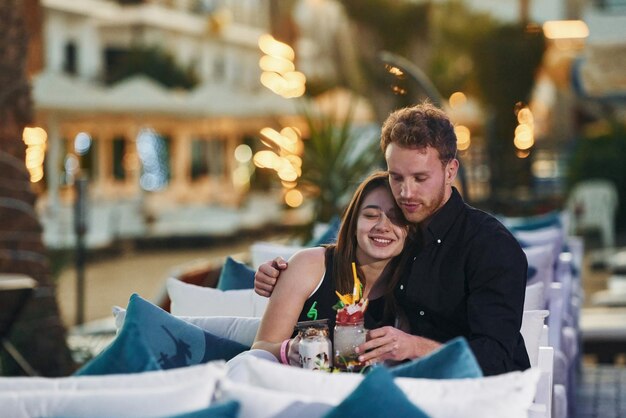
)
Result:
{"points": [[337, 156], [39, 335]]}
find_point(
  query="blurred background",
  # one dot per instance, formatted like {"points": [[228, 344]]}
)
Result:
{"points": [[138, 135]]}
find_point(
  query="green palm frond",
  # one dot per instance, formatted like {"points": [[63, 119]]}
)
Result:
{"points": [[337, 156]]}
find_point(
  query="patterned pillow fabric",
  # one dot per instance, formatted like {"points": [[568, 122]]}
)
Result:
{"points": [[152, 338]]}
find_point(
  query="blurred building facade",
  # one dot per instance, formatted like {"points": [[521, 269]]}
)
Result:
{"points": [[94, 128], [149, 151]]}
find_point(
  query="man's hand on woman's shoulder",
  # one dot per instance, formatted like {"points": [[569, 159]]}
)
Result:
{"points": [[266, 276]]}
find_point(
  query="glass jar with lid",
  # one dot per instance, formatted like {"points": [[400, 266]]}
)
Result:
{"points": [[315, 346]]}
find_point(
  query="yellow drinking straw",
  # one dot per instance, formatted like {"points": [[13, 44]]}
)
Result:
{"points": [[356, 290]]}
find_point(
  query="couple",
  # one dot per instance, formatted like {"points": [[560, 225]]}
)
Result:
{"points": [[446, 268]]}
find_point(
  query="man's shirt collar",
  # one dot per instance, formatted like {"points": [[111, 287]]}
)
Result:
{"points": [[443, 219]]}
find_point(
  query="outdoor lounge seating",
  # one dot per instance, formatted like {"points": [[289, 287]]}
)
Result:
{"points": [[227, 309]]}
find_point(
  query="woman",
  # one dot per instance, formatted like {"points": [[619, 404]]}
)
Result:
{"points": [[372, 234]]}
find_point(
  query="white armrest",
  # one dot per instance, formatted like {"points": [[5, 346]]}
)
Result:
{"points": [[544, 386]]}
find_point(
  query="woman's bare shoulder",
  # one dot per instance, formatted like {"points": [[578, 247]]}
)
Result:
{"points": [[313, 255], [305, 267]]}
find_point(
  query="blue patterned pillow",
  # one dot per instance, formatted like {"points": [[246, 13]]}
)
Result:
{"points": [[118, 359], [152, 339], [454, 360], [376, 396], [235, 275]]}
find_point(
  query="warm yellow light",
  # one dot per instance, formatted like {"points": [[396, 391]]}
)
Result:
{"points": [[34, 157], [525, 116], [273, 81], [521, 154], [275, 48], [463, 137], [36, 174], [289, 184], [265, 159], [294, 198], [287, 174], [565, 29], [524, 130], [296, 91], [276, 64], [35, 140], [394, 70], [34, 136], [290, 132], [294, 160], [243, 153], [524, 138], [285, 143], [457, 99], [544, 168]]}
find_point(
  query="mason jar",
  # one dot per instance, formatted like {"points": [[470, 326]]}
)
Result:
{"points": [[348, 336], [315, 347]]}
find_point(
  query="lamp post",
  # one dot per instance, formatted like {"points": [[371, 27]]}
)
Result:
{"points": [[80, 228]]}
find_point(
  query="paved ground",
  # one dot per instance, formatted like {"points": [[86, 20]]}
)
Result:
{"points": [[602, 392], [111, 280]]}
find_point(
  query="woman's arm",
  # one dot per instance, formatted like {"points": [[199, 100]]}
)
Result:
{"points": [[296, 283]]}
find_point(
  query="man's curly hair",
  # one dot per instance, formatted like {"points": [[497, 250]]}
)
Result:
{"points": [[420, 126]]}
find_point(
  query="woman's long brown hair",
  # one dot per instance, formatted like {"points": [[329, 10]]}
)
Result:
{"points": [[345, 248]]}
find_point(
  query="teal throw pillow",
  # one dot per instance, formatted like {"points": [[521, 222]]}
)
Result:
{"points": [[235, 275], [531, 223], [376, 396], [128, 353], [153, 339], [454, 360], [228, 409]]}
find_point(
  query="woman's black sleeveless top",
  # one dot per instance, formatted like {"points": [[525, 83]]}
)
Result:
{"points": [[320, 304]]}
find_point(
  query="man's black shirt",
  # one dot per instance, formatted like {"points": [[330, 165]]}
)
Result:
{"points": [[467, 277]]}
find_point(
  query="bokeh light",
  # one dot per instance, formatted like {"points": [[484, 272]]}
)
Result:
{"points": [[463, 137], [457, 100], [294, 198], [36, 141], [82, 143], [243, 153]]}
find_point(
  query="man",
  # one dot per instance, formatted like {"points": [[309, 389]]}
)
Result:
{"points": [[465, 274]]}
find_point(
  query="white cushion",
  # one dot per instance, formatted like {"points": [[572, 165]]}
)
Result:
{"points": [[191, 300], [534, 298], [548, 235], [507, 395], [235, 328], [532, 326], [149, 394], [542, 258], [258, 402], [266, 251]]}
